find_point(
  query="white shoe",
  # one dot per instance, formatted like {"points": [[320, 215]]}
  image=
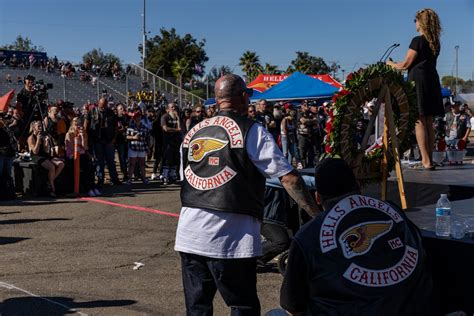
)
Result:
{"points": [[153, 176], [91, 193], [299, 166], [97, 192]]}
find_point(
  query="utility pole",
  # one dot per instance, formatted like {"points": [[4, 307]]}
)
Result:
{"points": [[144, 33], [456, 87]]}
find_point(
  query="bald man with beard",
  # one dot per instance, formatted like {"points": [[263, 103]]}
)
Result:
{"points": [[224, 162]]}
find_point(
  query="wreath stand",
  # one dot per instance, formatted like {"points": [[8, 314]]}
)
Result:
{"points": [[388, 133]]}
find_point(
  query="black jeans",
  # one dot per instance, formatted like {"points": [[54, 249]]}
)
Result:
{"points": [[236, 280], [305, 147], [276, 241]]}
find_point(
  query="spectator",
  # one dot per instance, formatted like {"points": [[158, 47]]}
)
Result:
{"points": [[170, 124], [251, 114], [218, 234], [28, 100], [40, 145], [55, 126], [101, 126], [361, 256], [137, 136], [306, 122], [157, 133], [7, 149], [87, 172], [265, 117], [458, 127], [196, 117], [121, 139], [288, 138]]}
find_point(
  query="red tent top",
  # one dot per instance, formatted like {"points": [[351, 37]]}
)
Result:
{"points": [[5, 100], [263, 82]]}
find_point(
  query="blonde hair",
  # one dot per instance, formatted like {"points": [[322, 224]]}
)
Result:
{"points": [[431, 28]]}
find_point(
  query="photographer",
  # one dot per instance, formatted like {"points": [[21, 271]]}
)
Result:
{"points": [[31, 99], [40, 146]]}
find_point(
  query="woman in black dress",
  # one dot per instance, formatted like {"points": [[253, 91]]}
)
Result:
{"points": [[420, 61]]}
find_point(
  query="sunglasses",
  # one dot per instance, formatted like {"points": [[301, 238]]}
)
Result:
{"points": [[414, 20]]}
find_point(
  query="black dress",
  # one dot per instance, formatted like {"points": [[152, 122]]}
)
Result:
{"points": [[423, 73]]}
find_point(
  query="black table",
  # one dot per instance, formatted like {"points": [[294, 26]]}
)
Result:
{"points": [[451, 260]]}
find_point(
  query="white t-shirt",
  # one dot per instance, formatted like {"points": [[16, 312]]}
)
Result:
{"points": [[217, 234]]}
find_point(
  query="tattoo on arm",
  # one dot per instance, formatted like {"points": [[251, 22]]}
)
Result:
{"points": [[296, 188]]}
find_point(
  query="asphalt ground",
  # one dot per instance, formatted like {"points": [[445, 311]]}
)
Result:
{"points": [[76, 256]]}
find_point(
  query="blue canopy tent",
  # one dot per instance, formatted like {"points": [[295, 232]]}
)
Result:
{"points": [[297, 86], [445, 92]]}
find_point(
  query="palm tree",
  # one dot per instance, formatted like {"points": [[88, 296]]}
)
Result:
{"points": [[179, 70], [270, 69], [250, 63]]}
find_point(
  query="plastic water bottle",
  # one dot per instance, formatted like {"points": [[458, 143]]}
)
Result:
{"points": [[443, 216]]}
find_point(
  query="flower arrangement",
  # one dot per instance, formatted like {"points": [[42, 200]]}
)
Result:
{"points": [[347, 109]]}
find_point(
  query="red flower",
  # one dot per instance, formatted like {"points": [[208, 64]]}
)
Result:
{"points": [[328, 148], [328, 127], [349, 77], [331, 113]]}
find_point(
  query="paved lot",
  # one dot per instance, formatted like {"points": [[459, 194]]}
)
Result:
{"points": [[73, 256]]}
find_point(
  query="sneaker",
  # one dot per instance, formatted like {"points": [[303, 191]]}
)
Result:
{"points": [[153, 176], [299, 166], [165, 181], [97, 192], [91, 193], [146, 181]]}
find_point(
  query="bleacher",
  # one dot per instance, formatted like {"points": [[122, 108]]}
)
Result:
{"points": [[72, 89]]}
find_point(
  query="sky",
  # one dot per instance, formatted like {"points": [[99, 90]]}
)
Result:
{"points": [[352, 33]]}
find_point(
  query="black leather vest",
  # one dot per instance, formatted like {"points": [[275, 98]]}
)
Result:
{"points": [[218, 174], [364, 257]]}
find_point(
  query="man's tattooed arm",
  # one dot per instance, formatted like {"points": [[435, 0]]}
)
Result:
{"points": [[296, 188]]}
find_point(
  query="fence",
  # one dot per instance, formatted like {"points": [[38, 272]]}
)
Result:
{"points": [[158, 83]]}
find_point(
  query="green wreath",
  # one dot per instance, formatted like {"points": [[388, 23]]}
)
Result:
{"points": [[346, 111]]}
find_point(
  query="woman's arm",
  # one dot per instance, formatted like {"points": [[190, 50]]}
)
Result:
{"points": [[404, 65], [283, 126], [34, 146]]}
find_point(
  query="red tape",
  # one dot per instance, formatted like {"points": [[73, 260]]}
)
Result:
{"points": [[133, 207]]}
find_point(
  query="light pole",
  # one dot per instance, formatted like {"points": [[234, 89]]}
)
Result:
{"points": [[144, 34], [343, 77], [456, 87]]}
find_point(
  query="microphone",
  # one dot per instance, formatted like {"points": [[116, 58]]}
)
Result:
{"points": [[392, 47], [390, 52]]}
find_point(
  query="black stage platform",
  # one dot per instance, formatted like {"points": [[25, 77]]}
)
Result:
{"points": [[423, 187]]}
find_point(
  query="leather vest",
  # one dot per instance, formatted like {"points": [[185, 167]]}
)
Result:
{"points": [[364, 257], [218, 174], [461, 123]]}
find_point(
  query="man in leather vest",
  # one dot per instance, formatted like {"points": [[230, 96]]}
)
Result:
{"points": [[225, 160], [361, 256]]}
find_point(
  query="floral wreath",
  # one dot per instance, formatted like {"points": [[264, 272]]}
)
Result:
{"points": [[346, 111]]}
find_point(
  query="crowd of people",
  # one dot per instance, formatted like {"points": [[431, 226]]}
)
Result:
{"points": [[145, 131]]}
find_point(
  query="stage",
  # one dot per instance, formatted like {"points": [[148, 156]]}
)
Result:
{"points": [[451, 261]]}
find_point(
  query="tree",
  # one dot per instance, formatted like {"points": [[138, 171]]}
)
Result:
{"points": [[308, 64], [270, 69], [23, 44], [250, 63], [179, 68], [99, 58], [217, 72], [167, 48], [450, 81]]}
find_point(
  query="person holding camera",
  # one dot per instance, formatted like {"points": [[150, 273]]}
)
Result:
{"points": [[41, 146], [31, 100]]}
